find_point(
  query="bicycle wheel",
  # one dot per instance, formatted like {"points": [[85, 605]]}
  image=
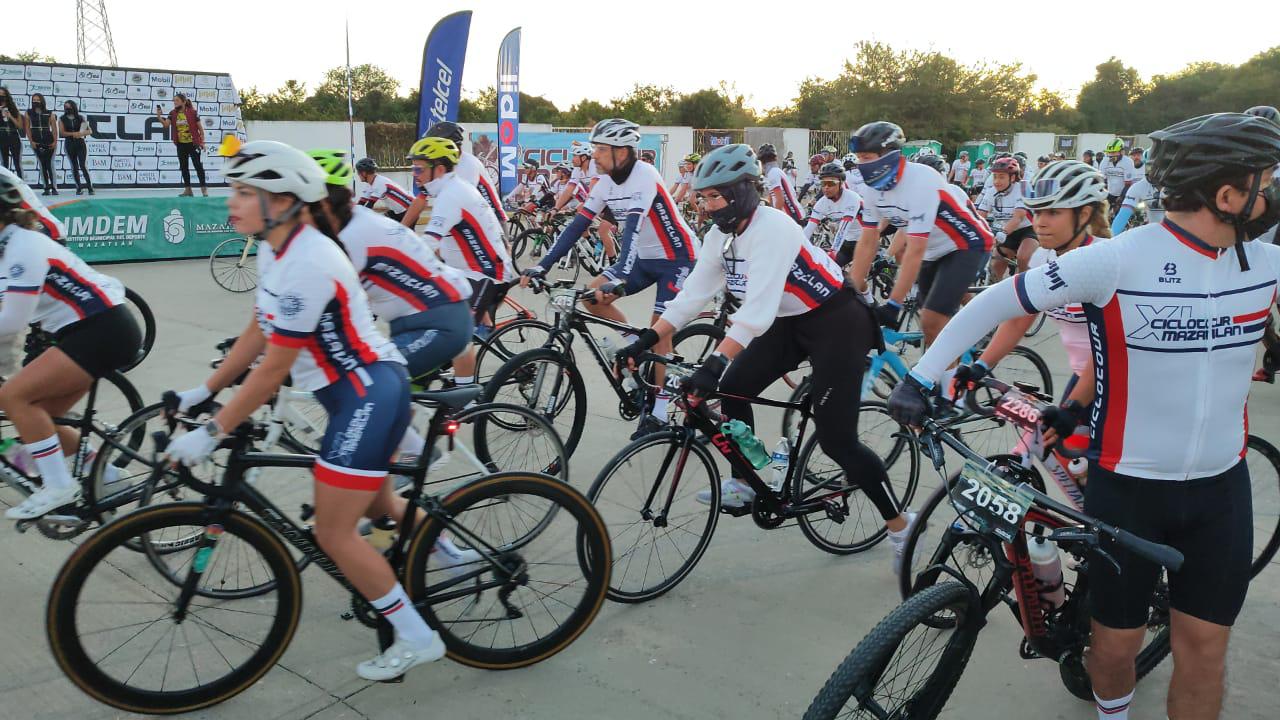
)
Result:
{"points": [[696, 342], [851, 522], [506, 342], [122, 467], [1025, 365], [904, 668], [506, 438], [533, 241], [647, 497], [146, 323], [305, 420], [231, 268], [524, 603], [791, 418], [566, 269], [1035, 326], [1263, 460], [113, 630], [547, 382]]}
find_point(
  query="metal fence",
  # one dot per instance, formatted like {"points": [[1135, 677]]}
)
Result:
{"points": [[818, 139]]}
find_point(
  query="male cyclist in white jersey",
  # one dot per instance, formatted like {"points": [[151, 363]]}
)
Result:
{"points": [[1119, 171], [780, 194], [1141, 192], [960, 169], [1175, 314], [838, 205], [379, 189], [469, 169]]}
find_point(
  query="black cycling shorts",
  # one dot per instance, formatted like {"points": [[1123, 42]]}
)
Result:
{"points": [[944, 282], [1014, 239], [486, 295], [103, 342], [1208, 520], [606, 215]]}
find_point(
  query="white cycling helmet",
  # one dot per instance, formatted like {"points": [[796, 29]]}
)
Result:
{"points": [[277, 168], [580, 149], [1065, 184], [616, 132]]}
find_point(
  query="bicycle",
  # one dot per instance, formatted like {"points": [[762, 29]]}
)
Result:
{"points": [[233, 264], [541, 579], [997, 507], [38, 340], [647, 493]]}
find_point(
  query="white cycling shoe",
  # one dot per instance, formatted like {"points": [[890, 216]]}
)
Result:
{"points": [[400, 658], [899, 541], [43, 501], [732, 494], [451, 559]]}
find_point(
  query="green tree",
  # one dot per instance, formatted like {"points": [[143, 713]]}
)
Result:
{"points": [[28, 56], [1106, 102], [644, 104]]}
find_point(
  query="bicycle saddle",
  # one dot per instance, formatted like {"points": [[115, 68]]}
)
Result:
{"points": [[454, 398]]}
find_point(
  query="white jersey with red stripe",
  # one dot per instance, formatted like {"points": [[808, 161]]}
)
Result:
{"points": [[53, 227], [581, 183], [1000, 206], [843, 211], [1174, 325], [776, 179], [770, 267], [67, 289], [467, 232], [1072, 328], [399, 271], [661, 233], [310, 298], [928, 207], [395, 197], [1144, 192], [473, 171]]}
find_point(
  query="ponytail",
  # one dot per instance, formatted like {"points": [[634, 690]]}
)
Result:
{"points": [[321, 222], [1098, 224]]}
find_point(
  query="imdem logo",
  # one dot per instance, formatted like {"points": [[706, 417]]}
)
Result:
{"points": [[107, 227], [508, 116], [175, 227]]}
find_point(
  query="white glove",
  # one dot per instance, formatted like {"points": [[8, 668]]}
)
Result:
{"points": [[194, 447], [188, 399]]}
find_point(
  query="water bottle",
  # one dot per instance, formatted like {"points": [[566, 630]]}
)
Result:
{"points": [[781, 459], [1078, 468], [1046, 565], [382, 533], [748, 444], [14, 451]]}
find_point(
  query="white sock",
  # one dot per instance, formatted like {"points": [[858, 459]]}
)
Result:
{"points": [[50, 463], [1117, 709], [412, 443], [464, 379], [660, 406], [399, 611]]}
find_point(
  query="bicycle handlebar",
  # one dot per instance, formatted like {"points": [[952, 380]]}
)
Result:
{"points": [[970, 402]]}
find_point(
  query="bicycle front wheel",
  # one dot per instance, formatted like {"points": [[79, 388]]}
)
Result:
{"points": [[1263, 460], [547, 382], [507, 341], [232, 267], [904, 667], [114, 628], [528, 595]]}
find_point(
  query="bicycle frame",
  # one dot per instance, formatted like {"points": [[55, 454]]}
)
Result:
{"points": [[562, 335]]}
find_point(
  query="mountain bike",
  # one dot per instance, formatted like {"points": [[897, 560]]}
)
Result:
{"points": [[113, 622]]}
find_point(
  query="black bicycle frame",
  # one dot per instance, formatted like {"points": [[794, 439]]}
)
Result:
{"points": [[577, 320]]}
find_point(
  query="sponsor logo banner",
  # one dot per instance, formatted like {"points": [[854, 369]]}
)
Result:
{"points": [[126, 230]]}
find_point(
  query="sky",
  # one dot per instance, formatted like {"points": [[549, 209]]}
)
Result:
{"points": [[572, 50]]}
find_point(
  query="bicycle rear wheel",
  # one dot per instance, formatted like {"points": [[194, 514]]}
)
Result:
{"points": [[112, 626], [547, 382], [500, 437], [1263, 460], [903, 667], [694, 343], [532, 593], [506, 342], [146, 320], [232, 268]]}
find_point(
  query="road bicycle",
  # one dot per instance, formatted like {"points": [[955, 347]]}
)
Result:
{"points": [[38, 340]]}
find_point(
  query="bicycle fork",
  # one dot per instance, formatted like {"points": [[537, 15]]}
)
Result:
{"points": [[660, 520]]}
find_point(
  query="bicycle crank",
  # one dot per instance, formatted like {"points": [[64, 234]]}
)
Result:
{"points": [[61, 527], [361, 611]]}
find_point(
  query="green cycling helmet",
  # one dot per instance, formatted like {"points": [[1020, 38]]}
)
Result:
{"points": [[337, 170], [1115, 146], [693, 158], [725, 166]]}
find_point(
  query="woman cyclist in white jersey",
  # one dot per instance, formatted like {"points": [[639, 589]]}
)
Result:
{"points": [[1001, 206], [312, 320], [43, 282], [780, 194]]}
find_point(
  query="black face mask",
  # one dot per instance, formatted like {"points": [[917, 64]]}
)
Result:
{"points": [[620, 173], [1269, 218], [741, 200], [37, 104]]}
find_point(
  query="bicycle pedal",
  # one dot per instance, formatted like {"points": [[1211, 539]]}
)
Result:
{"points": [[1025, 651], [392, 681], [736, 511]]}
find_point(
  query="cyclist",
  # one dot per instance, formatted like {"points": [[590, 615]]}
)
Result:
{"points": [[309, 297], [469, 169], [658, 247], [839, 205], [794, 306], [1119, 171], [580, 183], [46, 222], [559, 181], [464, 230], [780, 195], [811, 183], [43, 282], [959, 174], [1167, 458], [1001, 206], [947, 243], [1042, 161], [977, 178], [379, 188], [1141, 192], [680, 189], [828, 153], [932, 160]]}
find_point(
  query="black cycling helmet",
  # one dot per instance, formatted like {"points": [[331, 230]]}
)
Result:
{"points": [[878, 137], [447, 129], [767, 152], [831, 169], [1264, 111], [932, 160], [366, 165]]}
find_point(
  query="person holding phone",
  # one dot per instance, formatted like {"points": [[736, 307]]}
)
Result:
{"points": [[12, 129], [186, 133], [42, 133], [75, 128]]}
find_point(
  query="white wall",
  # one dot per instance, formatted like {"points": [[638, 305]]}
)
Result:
{"points": [[796, 140], [1033, 144], [1092, 141], [679, 144], [307, 135]]}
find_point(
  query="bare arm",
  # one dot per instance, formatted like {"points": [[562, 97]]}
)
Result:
{"points": [[863, 254], [414, 211], [1006, 338], [258, 388]]}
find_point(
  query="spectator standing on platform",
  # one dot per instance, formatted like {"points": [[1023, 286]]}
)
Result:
{"points": [[186, 132], [42, 132], [13, 128], [75, 129]]}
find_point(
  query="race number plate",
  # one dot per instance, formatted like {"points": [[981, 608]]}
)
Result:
{"points": [[563, 298], [676, 375], [991, 503], [1019, 409]]}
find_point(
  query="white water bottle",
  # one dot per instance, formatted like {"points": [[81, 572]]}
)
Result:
{"points": [[779, 461], [1078, 468], [1046, 565], [610, 348]]}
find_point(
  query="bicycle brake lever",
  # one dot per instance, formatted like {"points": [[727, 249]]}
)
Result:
{"points": [[935, 451]]}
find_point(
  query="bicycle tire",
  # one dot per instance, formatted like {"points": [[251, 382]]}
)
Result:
{"points": [[305, 440], [507, 341], [227, 270], [1041, 367], [619, 589], [527, 240], [487, 448], [865, 666], [701, 338], [148, 327], [63, 625], [587, 536], [1036, 325], [132, 433], [1270, 521], [512, 381]]}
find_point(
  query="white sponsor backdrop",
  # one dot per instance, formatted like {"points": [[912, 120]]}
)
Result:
{"points": [[129, 146]]}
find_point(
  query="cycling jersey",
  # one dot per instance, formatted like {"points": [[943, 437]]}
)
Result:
{"points": [[309, 297], [853, 181], [467, 232], [1143, 192], [399, 272], [53, 227], [1118, 173], [776, 179], [978, 178], [661, 232], [684, 179], [581, 184], [769, 267], [473, 171], [843, 211], [1000, 206], [960, 171], [46, 283], [1070, 318], [383, 189], [928, 207], [1173, 324]]}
